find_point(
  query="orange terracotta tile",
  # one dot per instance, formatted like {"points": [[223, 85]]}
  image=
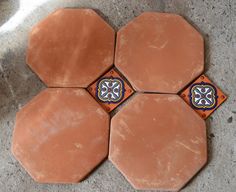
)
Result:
{"points": [[203, 96], [61, 135], [110, 90], [71, 48], [159, 52], [158, 142]]}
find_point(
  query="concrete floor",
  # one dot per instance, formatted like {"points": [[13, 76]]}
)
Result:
{"points": [[215, 19]]}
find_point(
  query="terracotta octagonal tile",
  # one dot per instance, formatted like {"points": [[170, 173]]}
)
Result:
{"points": [[203, 96], [158, 142], [61, 135], [159, 52], [71, 48], [110, 90]]}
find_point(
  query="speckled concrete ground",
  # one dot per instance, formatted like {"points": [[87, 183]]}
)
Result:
{"points": [[215, 19]]}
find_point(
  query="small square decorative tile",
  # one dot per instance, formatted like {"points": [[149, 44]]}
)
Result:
{"points": [[203, 96], [110, 90]]}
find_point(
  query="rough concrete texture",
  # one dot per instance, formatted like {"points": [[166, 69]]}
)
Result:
{"points": [[215, 19]]}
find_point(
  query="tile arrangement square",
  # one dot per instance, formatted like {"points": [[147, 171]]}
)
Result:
{"points": [[157, 139]]}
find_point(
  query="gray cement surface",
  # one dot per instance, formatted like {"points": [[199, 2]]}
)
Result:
{"points": [[215, 19]]}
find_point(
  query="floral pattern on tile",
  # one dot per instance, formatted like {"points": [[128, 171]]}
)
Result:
{"points": [[110, 90], [203, 96]]}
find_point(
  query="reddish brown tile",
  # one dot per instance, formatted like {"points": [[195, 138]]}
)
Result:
{"points": [[203, 96], [61, 135], [110, 90], [159, 52], [71, 48], [158, 142]]}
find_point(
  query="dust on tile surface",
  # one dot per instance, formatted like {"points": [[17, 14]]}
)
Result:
{"points": [[159, 52], [54, 138], [158, 142], [71, 48]]}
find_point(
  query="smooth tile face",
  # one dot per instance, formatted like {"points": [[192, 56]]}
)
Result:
{"points": [[158, 142], [203, 96], [110, 90], [61, 135], [159, 52], [71, 48]]}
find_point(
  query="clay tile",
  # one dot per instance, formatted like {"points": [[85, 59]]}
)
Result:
{"points": [[159, 52], [110, 90], [158, 142], [54, 138], [71, 48], [203, 96]]}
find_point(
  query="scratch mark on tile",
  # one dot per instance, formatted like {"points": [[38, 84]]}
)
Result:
{"points": [[187, 147]]}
